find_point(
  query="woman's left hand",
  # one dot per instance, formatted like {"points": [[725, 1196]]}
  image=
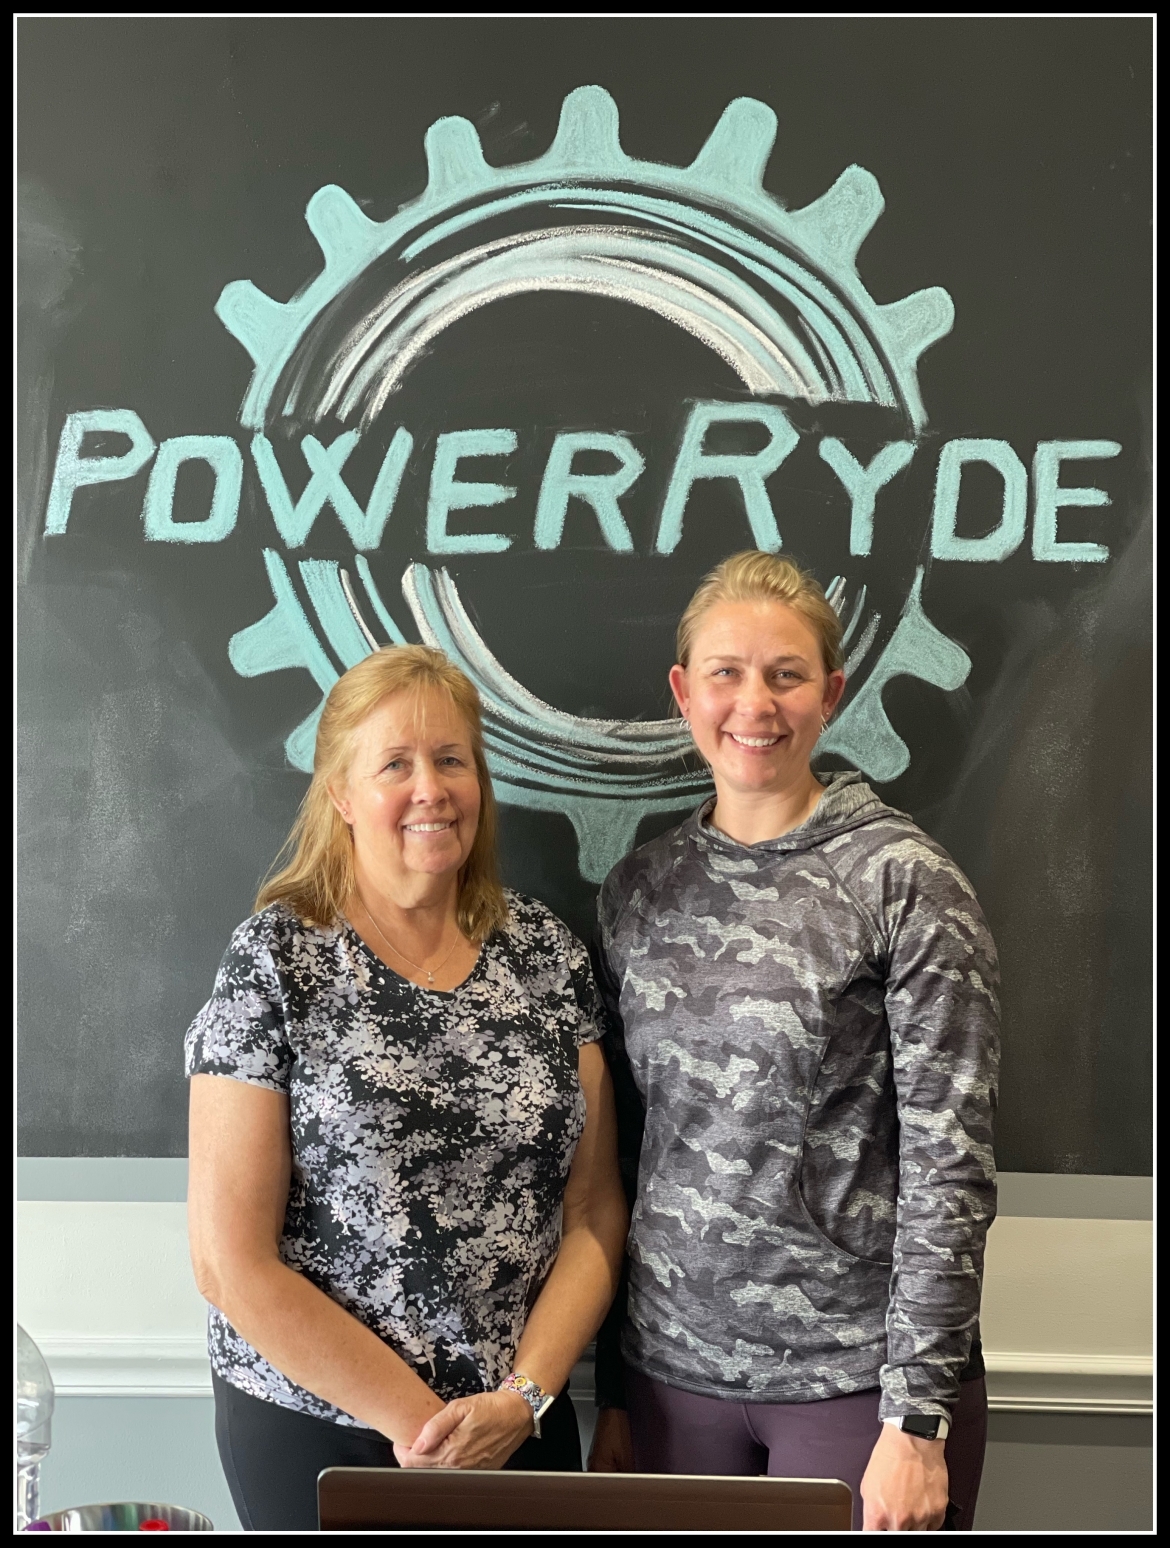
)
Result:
{"points": [[474, 1432], [905, 1485]]}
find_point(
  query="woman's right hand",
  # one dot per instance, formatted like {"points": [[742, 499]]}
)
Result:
{"points": [[612, 1450], [481, 1431]]}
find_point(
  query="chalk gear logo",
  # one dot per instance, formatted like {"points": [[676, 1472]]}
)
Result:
{"points": [[775, 293]]}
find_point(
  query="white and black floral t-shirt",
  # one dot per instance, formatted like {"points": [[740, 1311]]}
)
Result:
{"points": [[432, 1133]]}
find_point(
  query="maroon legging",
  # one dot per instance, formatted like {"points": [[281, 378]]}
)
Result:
{"points": [[679, 1432]]}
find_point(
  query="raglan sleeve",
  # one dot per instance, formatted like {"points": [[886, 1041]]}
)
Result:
{"points": [[942, 1005], [609, 1377]]}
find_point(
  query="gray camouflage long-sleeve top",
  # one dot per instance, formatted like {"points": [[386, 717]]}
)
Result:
{"points": [[811, 1024]]}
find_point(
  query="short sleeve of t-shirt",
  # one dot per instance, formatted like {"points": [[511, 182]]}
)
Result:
{"points": [[240, 1032], [591, 1026]]}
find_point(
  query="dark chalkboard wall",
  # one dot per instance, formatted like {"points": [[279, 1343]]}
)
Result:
{"points": [[160, 160]]}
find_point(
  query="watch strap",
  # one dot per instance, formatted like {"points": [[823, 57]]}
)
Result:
{"points": [[533, 1394]]}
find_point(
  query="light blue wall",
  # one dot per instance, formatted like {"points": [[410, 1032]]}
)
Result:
{"points": [[156, 1449], [1067, 1472]]}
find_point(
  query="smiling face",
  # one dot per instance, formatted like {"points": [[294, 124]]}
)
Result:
{"points": [[755, 692], [411, 796]]}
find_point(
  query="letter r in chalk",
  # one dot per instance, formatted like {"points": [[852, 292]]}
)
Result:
{"points": [[749, 470], [73, 471]]}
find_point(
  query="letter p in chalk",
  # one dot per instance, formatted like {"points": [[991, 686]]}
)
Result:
{"points": [[72, 470]]}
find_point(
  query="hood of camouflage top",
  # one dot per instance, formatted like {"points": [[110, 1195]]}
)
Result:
{"points": [[847, 803]]}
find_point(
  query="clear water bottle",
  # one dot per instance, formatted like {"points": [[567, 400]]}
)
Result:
{"points": [[34, 1415]]}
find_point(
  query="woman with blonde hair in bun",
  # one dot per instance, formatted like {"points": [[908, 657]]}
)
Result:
{"points": [[802, 995], [404, 1202]]}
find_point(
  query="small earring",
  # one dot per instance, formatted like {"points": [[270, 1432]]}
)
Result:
{"points": [[824, 725]]}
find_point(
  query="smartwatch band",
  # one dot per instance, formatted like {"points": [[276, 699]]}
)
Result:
{"points": [[533, 1394]]}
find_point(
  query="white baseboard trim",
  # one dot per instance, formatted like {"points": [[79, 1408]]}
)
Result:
{"points": [[1050, 1402], [122, 1365], [1069, 1364], [125, 1365], [1021, 1382]]}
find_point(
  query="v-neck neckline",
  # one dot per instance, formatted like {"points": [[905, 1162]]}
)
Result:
{"points": [[446, 994]]}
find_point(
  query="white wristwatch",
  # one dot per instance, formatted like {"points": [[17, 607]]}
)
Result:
{"points": [[925, 1426], [533, 1394]]}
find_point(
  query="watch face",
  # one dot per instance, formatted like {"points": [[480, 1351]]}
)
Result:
{"points": [[926, 1426]]}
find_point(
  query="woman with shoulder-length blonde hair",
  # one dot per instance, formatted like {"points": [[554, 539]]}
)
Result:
{"points": [[404, 1203], [802, 992]]}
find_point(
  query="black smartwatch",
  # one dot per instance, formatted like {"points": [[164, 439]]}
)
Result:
{"points": [[925, 1426]]}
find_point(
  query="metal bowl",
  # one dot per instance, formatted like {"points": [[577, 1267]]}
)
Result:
{"points": [[123, 1517]]}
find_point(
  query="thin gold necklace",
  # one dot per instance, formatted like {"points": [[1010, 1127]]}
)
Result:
{"points": [[416, 966]]}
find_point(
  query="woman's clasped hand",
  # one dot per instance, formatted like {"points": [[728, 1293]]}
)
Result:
{"points": [[478, 1432]]}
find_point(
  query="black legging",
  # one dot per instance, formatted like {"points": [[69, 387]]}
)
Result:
{"points": [[271, 1456]]}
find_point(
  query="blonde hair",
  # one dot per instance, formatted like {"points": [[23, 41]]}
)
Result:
{"points": [[317, 879], [758, 577]]}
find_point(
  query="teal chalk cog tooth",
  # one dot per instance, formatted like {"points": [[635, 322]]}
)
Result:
{"points": [[862, 732], [285, 638], [719, 197], [704, 245]]}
